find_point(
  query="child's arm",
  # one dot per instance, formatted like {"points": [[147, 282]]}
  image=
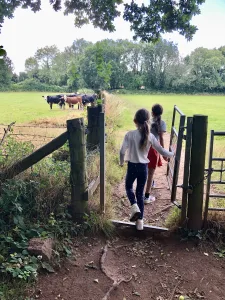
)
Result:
{"points": [[162, 131], [123, 149], [158, 147], [161, 139]]}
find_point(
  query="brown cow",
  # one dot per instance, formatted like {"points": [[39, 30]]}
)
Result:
{"points": [[74, 100]]}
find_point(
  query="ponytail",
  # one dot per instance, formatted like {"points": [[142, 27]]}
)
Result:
{"points": [[158, 123], [142, 118], [144, 130], [157, 111]]}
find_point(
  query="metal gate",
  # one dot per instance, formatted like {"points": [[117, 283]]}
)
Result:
{"points": [[176, 140], [220, 170]]}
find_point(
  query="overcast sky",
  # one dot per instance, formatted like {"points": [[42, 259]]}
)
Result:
{"points": [[26, 32]]}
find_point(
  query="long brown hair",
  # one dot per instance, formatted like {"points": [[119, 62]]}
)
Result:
{"points": [[157, 111], [142, 118]]}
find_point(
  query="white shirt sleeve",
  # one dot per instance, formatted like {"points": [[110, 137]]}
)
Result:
{"points": [[158, 147], [163, 126], [124, 148]]}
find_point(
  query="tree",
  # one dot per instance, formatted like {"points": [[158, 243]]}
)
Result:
{"points": [[45, 57], [14, 78], [32, 67], [22, 76], [6, 72], [147, 21], [159, 62], [206, 69], [73, 80]]}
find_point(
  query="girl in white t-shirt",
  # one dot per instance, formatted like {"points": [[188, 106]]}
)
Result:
{"points": [[136, 145]]}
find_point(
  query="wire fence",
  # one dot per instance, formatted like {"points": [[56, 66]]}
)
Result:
{"points": [[20, 141], [36, 135]]}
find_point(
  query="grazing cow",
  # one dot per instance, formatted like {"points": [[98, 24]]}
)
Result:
{"points": [[73, 100], [53, 100], [89, 99]]}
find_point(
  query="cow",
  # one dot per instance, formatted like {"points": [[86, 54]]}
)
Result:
{"points": [[57, 99], [86, 99], [54, 100], [73, 100]]}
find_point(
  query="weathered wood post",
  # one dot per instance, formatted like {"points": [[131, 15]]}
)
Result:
{"points": [[78, 174], [93, 137], [197, 167], [102, 161]]}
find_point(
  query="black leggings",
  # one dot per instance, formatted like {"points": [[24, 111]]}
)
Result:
{"points": [[140, 172]]}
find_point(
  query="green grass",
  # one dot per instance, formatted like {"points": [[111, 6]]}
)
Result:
{"points": [[213, 106], [25, 107]]}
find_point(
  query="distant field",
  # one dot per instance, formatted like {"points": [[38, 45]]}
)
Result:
{"points": [[28, 106], [213, 106]]}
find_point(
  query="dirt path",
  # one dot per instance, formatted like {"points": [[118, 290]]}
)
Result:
{"points": [[157, 268], [156, 212]]}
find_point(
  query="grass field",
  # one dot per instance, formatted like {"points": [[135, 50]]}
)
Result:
{"points": [[28, 106], [213, 106]]}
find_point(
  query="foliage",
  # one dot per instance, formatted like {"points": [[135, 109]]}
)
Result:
{"points": [[120, 65], [2, 52], [73, 77], [95, 223], [35, 85], [6, 71], [147, 21], [160, 16], [33, 205]]}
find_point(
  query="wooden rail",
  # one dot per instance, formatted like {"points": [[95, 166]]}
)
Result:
{"points": [[35, 157]]}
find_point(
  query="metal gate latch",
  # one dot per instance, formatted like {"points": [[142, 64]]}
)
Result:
{"points": [[189, 189]]}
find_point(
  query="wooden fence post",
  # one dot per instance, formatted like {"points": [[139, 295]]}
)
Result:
{"points": [[197, 167], [78, 175], [102, 161], [93, 137]]}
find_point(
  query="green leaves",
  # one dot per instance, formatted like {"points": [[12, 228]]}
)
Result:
{"points": [[2, 52], [160, 16], [147, 21], [47, 267]]}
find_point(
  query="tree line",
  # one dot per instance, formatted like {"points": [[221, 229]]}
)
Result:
{"points": [[120, 64]]}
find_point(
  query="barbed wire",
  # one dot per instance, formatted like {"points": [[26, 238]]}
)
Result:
{"points": [[35, 126], [28, 134]]}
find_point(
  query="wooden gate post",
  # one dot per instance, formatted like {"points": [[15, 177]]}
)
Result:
{"points": [[102, 161], [78, 174], [187, 160], [93, 137], [197, 167]]}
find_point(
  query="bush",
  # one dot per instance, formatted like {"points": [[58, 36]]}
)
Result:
{"points": [[35, 85]]}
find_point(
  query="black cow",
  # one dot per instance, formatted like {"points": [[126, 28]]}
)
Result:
{"points": [[57, 99], [53, 100], [86, 99]]}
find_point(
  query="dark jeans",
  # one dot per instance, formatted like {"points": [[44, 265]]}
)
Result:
{"points": [[140, 172]]}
